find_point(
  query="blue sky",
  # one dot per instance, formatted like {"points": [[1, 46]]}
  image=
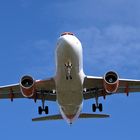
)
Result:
{"points": [[110, 33]]}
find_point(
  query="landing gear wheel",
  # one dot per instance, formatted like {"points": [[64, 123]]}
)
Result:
{"points": [[46, 110], [100, 107], [40, 110], [94, 107], [68, 77]]}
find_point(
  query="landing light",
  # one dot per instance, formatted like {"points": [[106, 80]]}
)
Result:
{"points": [[67, 33]]}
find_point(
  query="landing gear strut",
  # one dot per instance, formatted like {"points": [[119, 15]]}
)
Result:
{"points": [[97, 105], [43, 108]]}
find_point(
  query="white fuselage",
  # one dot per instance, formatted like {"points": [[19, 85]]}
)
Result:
{"points": [[69, 90]]}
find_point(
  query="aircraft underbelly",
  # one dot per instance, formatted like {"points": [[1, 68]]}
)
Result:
{"points": [[69, 96], [69, 91]]}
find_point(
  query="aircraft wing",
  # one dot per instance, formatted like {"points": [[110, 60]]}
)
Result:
{"points": [[92, 83], [45, 88]]}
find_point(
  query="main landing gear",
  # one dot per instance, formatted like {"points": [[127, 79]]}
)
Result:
{"points": [[97, 105], [43, 108], [40, 110]]}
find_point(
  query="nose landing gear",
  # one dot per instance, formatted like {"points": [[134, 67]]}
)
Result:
{"points": [[68, 68]]}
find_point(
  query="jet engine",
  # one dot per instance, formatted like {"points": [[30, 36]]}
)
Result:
{"points": [[27, 86], [111, 82]]}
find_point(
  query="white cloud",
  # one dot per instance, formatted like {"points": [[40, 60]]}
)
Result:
{"points": [[115, 47]]}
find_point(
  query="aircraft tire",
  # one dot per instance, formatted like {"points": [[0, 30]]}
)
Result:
{"points": [[46, 110], [94, 107], [100, 107], [39, 110]]}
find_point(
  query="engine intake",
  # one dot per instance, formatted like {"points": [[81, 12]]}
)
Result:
{"points": [[27, 86], [111, 82]]}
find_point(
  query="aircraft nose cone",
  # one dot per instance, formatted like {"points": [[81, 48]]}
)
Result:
{"points": [[67, 40]]}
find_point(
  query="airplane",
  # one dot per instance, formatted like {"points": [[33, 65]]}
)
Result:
{"points": [[70, 86]]}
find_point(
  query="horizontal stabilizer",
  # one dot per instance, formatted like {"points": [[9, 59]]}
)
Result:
{"points": [[48, 118], [85, 115], [59, 117]]}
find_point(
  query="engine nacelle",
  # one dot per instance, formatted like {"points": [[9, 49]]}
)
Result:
{"points": [[27, 86], [111, 82]]}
